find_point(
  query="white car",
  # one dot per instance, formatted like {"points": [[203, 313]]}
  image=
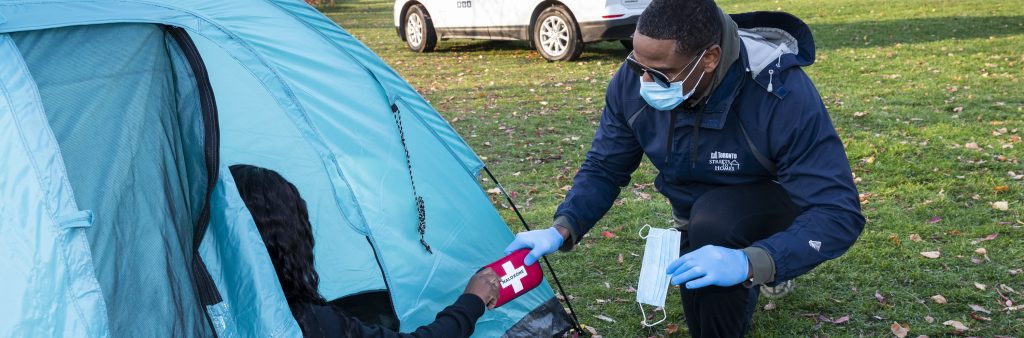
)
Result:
{"points": [[558, 29]]}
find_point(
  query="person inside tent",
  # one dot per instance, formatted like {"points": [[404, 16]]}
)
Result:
{"points": [[283, 222]]}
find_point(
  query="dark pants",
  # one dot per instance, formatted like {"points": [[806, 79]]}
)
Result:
{"points": [[733, 217]]}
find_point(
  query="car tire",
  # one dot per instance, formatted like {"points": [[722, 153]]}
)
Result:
{"points": [[556, 35], [628, 44], [419, 30]]}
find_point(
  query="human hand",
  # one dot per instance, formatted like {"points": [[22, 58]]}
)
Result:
{"points": [[541, 242], [484, 284], [710, 265]]}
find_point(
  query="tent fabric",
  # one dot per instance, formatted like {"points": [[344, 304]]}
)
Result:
{"points": [[297, 94], [49, 288], [234, 253], [132, 144]]}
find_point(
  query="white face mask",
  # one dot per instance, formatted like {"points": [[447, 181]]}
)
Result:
{"points": [[661, 249]]}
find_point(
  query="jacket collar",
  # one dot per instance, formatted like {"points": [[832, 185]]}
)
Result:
{"points": [[715, 111]]}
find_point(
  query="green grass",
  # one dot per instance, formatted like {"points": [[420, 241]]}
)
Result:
{"points": [[908, 85]]}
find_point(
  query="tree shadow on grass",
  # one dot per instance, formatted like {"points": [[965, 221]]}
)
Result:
{"points": [[872, 34]]}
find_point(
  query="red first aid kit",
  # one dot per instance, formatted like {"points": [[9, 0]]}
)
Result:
{"points": [[516, 278]]}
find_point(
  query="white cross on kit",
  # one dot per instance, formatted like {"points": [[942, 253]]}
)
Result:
{"points": [[513, 276]]}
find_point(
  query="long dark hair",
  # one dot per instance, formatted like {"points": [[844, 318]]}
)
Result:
{"points": [[283, 221]]}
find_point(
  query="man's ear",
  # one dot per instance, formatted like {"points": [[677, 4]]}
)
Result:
{"points": [[711, 58]]}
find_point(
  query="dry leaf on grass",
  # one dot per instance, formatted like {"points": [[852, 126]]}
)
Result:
{"points": [[1001, 205], [671, 328], [929, 319], [956, 325], [605, 318], [931, 254], [980, 286], [915, 237], [939, 299], [934, 220], [986, 238], [620, 258], [980, 308], [608, 234], [899, 330], [879, 297], [980, 318], [770, 306]]}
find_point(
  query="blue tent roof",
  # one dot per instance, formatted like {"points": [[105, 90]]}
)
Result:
{"points": [[294, 93]]}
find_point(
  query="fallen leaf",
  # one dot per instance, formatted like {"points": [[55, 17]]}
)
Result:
{"points": [[1001, 205], [1007, 288], [980, 308], [931, 254], [929, 319], [1001, 188], [879, 297], [934, 220], [671, 328], [608, 234], [972, 146], [841, 320], [620, 258], [980, 286], [1014, 272], [494, 191], [770, 306], [981, 251], [900, 330], [956, 325], [939, 299], [915, 237], [986, 238], [980, 318], [605, 318]]}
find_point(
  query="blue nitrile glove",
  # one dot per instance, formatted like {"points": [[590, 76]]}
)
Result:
{"points": [[541, 242], [710, 265]]}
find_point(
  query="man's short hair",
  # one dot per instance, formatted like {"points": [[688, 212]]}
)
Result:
{"points": [[694, 24]]}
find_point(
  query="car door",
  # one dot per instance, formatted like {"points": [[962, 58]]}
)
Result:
{"points": [[446, 14], [505, 19]]}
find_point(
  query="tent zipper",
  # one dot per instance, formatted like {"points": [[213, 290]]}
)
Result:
{"points": [[205, 287]]}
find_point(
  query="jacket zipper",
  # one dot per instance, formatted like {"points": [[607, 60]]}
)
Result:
{"points": [[695, 143], [671, 136]]}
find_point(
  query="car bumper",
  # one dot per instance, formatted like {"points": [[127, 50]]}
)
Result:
{"points": [[614, 29]]}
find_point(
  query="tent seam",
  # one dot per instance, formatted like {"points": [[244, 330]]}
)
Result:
{"points": [[49, 194], [374, 75]]}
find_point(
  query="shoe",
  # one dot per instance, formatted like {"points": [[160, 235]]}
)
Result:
{"points": [[778, 291]]}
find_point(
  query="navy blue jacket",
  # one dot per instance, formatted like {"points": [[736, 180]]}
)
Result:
{"points": [[767, 93]]}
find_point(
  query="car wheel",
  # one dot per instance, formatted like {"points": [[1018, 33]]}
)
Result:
{"points": [[556, 35], [419, 30], [627, 43]]}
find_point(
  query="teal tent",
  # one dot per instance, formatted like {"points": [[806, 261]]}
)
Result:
{"points": [[118, 216]]}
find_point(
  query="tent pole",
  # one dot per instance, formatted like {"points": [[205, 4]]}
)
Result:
{"points": [[572, 312]]}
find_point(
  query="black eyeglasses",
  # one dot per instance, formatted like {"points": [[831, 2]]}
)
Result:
{"points": [[660, 78]]}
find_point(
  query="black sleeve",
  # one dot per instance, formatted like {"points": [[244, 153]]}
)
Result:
{"points": [[456, 320]]}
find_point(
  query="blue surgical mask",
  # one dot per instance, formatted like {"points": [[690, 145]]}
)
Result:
{"points": [[661, 249], [661, 98]]}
